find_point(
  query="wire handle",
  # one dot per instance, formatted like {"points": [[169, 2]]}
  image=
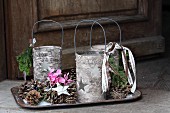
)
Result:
{"points": [[62, 34], [120, 32], [90, 37]]}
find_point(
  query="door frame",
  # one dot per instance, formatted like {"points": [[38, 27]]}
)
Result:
{"points": [[3, 62]]}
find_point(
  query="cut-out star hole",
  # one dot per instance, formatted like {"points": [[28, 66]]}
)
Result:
{"points": [[82, 85], [45, 66]]}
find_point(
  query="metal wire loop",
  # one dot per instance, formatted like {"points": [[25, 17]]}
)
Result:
{"points": [[90, 37], [62, 34], [120, 32]]}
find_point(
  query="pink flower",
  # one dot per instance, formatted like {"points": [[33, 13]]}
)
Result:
{"points": [[67, 81], [60, 80], [55, 76]]}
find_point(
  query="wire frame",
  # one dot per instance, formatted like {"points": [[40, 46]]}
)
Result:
{"points": [[88, 72], [45, 57]]}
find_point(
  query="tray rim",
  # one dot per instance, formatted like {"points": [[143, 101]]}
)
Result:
{"points": [[19, 101]]}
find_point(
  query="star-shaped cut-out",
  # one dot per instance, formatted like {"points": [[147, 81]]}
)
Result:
{"points": [[82, 85], [45, 66], [61, 89]]}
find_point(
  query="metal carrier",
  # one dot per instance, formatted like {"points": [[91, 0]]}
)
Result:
{"points": [[88, 71], [46, 56]]}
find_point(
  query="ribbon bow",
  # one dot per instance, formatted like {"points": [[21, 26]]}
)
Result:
{"points": [[105, 81]]}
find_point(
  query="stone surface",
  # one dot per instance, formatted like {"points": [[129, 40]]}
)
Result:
{"points": [[153, 101]]}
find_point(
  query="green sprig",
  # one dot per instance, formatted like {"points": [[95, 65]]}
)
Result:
{"points": [[119, 79], [25, 60]]}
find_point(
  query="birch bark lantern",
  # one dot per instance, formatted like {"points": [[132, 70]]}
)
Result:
{"points": [[106, 81], [88, 73], [45, 57], [116, 50]]}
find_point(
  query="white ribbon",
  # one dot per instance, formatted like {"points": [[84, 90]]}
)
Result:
{"points": [[105, 82], [132, 82]]}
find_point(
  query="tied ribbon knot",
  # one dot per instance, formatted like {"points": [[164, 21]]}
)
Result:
{"points": [[111, 48]]}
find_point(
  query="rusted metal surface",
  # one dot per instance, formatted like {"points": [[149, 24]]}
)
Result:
{"points": [[132, 97]]}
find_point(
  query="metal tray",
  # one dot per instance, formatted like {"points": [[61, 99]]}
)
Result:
{"points": [[130, 98]]}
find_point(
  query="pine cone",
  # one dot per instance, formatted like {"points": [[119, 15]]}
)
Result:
{"points": [[61, 99], [72, 74], [28, 86], [120, 93], [72, 98], [117, 95], [24, 89], [51, 97], [33, 97]]}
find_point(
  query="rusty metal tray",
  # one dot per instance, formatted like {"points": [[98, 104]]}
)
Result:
{"points": [[130, 98]]}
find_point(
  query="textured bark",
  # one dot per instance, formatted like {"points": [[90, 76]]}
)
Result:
{"points": [[44, 57], [88, 70]]}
